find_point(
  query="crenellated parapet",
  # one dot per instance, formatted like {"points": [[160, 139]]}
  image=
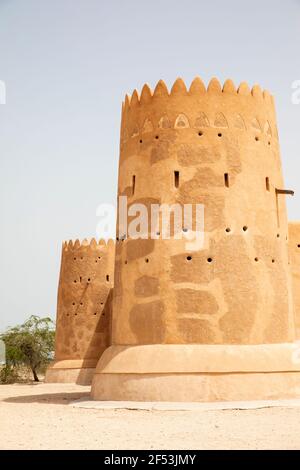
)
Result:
{"points": [[86, 266], [85, 244], [198, 108]]}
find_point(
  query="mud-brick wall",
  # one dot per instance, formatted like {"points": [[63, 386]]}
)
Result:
{"points": [[217, 147], [83, 328], [294, 247]]}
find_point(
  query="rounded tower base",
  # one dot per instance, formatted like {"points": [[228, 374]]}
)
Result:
{"points": [[198, 373], [71, 371]]}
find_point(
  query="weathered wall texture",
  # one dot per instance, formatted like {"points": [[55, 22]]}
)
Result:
{"points": [[224, 145], [84, 301], [294, 247]]}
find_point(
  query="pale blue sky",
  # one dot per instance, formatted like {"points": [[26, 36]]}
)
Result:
{"points": [[67, 65]]}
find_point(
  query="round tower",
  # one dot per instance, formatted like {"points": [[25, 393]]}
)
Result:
{"points": [[294, 249], [180, 313], [83, 310]]}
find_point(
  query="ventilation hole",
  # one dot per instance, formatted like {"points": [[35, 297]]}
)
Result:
{"points": [[209, 260], [200, 134], [117, 239], [75, 281], [267, 183], [219, 135], [189, 258], [273, 260], [80, 279], [245, 228], [81, 303], [228, 230], [73, 303], [226, 180], [133, 184], [99, 257], [176, 179], [257, 139], [298, 246], [278, 235], [81, 257], [147, 260], [75, 314], [89, 279], [74, 259], [107, 277], [101, 303], [126, 262], [96, 261], [68, 314], [141, 141], [256, 259], [157, 136], [95, 313]]}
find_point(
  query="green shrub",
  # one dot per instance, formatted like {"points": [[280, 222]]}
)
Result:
{"points": [[30, 345]]}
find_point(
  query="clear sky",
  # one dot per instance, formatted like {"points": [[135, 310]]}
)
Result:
{"points": [[67, 65]]}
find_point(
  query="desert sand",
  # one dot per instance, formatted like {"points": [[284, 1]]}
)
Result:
{"points": [[43, 416]]}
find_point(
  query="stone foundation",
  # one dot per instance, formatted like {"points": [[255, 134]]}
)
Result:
{"points": [[71, 371], [198, 373]]}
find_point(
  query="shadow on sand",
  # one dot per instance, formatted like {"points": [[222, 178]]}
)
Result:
{"points": [[49, 398]]}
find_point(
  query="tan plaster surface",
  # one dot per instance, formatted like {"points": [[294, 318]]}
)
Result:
{"points": [[219, 147], [198, 373], [236, 290], [83, 308], [294, 252], [80, 376], [170, 358], [196, 387]]}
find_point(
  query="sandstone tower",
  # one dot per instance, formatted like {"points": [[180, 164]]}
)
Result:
{"points": [[294, 247], [207, 324], [83, 310]]}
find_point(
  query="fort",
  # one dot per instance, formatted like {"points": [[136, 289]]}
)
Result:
{"points": [[217, 323]]}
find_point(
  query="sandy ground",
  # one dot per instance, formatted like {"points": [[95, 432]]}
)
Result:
{"points": [[42, 417]]}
